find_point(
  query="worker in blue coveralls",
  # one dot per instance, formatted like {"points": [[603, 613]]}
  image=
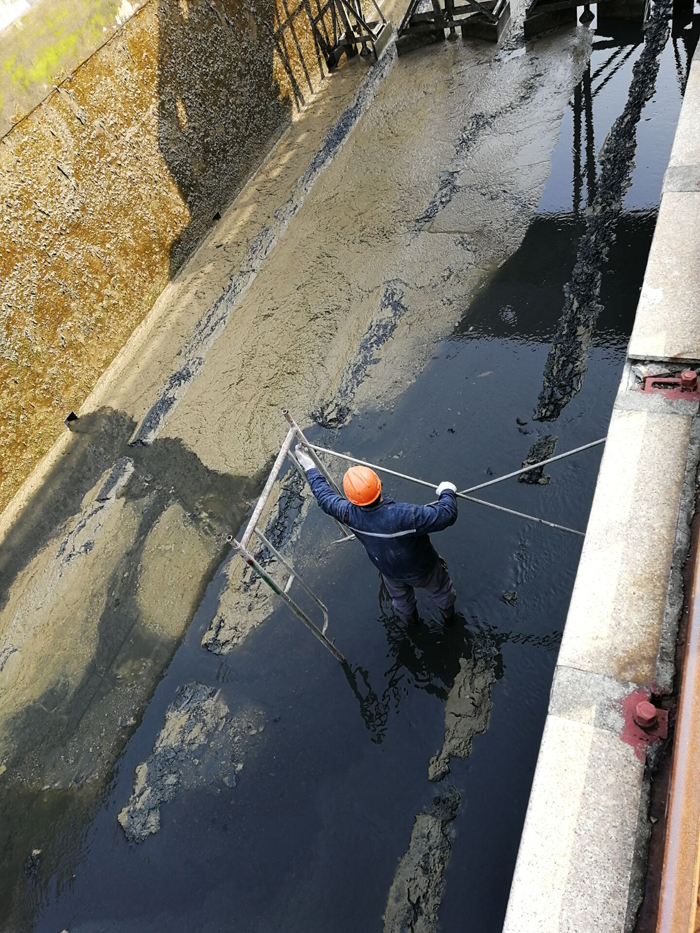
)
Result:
{"points": [[394, 534]]}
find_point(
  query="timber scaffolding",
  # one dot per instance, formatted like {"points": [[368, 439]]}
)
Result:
{"points": [[296, 435]]}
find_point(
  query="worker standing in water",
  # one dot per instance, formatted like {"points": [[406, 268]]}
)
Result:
{"points": [[394, 534]]}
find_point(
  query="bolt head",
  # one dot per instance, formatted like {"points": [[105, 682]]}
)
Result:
{"points": [[689, 379], [645, 714]]}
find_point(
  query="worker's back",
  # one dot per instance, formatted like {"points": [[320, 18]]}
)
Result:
{"points": [[394, 534]]}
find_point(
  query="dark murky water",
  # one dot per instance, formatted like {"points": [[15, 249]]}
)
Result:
{"points": [[310, 838]]}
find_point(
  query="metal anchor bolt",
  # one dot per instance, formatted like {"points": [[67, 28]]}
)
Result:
{"points": [[646, 715]]}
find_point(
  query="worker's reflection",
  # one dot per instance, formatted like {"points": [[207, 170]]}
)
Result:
{"points": [[374, 711], [458, 663], [423, 656]]}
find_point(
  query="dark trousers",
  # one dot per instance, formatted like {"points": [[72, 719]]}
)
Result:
{"points": [[437, 583]]}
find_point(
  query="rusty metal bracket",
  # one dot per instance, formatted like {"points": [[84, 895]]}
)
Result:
{"points": [[683, 386]]}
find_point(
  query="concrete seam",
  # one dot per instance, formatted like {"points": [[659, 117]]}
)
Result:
{"points": [[665, 660], [640, 855]]}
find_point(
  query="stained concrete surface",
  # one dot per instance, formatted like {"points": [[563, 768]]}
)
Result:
{"points": [[638, 498], [109, 185], [333, 749]]}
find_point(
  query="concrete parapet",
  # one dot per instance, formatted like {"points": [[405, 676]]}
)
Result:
{"points": [[617, 607], [575, 857], [580, 864], [666, 325], [577, 854]]}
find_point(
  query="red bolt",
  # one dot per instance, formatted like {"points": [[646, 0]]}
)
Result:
{"points": [[689, 380], [645, 714]]}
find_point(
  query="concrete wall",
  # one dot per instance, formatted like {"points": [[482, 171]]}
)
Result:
{"points": [[108, 183]]}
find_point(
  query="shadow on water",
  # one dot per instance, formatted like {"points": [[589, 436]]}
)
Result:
{"points": [[59, 749]]}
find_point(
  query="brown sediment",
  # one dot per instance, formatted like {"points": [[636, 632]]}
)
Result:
{"points": [[418, 886]]}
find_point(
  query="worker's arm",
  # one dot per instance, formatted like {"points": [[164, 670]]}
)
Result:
{"points": [[431, 518], [331, 503]]}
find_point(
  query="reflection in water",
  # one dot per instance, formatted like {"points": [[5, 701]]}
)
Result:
{"points": [[456, 662], [374, 712], [567, 360], [424, 656]]}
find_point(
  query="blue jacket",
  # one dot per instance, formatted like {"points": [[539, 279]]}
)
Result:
{"points": [[394, 534]]}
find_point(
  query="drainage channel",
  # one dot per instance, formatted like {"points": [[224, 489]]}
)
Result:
{"points": [[393, 799]]}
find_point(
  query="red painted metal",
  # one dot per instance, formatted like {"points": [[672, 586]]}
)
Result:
{"points": [[685, 385], [689, 380], [678, 901], [645, 715], [633, 733]]}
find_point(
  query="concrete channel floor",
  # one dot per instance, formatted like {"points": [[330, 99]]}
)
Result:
{"points": [[288, 343], [333, 243], [105, 563]]}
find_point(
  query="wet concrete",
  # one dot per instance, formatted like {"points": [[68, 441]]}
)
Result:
{"points": [[313, 833]]}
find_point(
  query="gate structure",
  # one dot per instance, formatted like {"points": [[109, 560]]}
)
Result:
{"points": [[425, 21], [543, 15], [352, 31]]}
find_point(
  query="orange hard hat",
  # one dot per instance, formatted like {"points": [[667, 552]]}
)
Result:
{"points": [[361, 485]]}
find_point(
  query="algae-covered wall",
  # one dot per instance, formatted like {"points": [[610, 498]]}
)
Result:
{"points": [[109, 182]]}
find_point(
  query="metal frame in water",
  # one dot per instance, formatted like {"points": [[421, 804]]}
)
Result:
{"points": [[295, 433]]}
